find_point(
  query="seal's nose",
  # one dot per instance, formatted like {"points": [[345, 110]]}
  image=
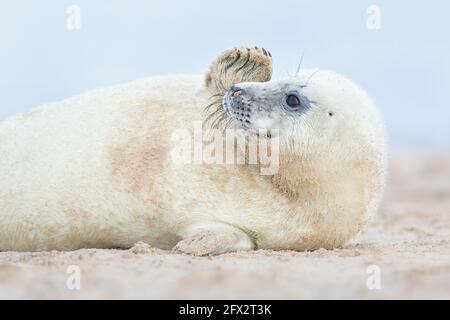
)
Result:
{"points": [[236, 91]]}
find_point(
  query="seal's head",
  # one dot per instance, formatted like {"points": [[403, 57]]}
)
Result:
{"points": [[317, 111]]}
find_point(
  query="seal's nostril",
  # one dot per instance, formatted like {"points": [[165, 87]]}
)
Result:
{"points": [[237, 93]]}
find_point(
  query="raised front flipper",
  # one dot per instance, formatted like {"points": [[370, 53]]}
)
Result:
{"points": [[239, 65]]}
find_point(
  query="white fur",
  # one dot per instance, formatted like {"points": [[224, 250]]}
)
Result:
{"points": [[94, 171]]}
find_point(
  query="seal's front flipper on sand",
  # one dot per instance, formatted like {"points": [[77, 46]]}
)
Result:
{"points": [[239, 65], [214, 239]]}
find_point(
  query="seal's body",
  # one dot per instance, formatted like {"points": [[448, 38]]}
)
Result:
{"points": [[96, 170]]}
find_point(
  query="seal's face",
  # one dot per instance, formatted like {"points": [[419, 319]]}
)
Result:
{"points": [[266, 106], [317, 112]]}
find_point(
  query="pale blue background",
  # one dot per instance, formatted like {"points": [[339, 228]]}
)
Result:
{"points": [[404, 65]]}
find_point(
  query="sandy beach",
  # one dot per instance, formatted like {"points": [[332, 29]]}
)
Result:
{"points": [[408, 242]]}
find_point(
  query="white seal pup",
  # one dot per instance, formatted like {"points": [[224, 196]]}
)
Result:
{"points": [[96, 170]]}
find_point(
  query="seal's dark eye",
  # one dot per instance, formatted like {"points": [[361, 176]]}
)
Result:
{"points": [[293, 101]]}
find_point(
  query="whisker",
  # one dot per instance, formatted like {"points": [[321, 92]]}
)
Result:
{"points": [[300, 64], [216, 95], [314, 73], [228, 123], [215, 124], [209, 106], [217, 112]]}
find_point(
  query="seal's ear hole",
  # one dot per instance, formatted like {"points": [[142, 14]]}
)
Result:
{"points": [[330, 114]]}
